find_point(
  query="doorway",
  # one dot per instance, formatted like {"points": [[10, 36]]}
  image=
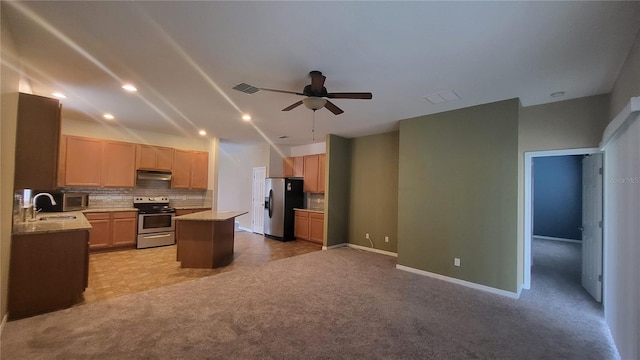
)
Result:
{"points": [[528, 200]]}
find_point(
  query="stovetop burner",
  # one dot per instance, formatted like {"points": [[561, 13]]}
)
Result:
{"points": [[153, 205]]}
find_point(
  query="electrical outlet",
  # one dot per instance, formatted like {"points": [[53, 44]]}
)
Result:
{"points": [[366, 236], [456, 261], [386, 239]]}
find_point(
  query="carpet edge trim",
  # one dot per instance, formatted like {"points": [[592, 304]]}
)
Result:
{"points": [[509, 294], [3, 323]]}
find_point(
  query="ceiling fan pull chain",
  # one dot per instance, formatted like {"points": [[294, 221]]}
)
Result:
{"points": [[313, 127]]}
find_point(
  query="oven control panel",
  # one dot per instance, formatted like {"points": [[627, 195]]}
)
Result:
{"points": [[151, 200]]}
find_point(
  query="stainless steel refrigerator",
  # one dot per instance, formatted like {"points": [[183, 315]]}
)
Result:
{"points": [[282, 195]]}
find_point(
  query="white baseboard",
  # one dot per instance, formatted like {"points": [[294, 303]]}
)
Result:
{"points": [[243, 228], [556, 239], [378, 251], [509, 294], [359, 247], [334, 246]]}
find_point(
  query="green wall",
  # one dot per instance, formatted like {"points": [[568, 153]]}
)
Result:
{"points": [[457, 194], [374, 191], [336, 197]]}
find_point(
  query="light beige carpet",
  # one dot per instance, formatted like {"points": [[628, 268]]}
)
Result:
{"points": [[336, 304]]}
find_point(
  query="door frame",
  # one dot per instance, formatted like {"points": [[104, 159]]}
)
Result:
{"points": [[260, 197], [528, 203]]}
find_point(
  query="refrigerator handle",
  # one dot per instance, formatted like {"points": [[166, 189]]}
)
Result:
{"points": [[270, 206]]}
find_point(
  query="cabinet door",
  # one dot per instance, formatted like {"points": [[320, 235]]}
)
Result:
{"points": [[316, 227], [301, 225], [119, 164], [199, 170], [287, 167], [100, 232], [164, 158], [321, 171], [145, 157], [125, 229], [298, 166], [311, 173], [181, 169], [83, 165], [37, 142]]}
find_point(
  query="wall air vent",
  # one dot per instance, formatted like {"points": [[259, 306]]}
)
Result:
{"points": [[246, 88]]}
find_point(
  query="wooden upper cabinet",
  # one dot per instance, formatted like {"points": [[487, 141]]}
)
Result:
{"points": [[287, 167], [190, 169], [96, 162], [322, 164], [311, 173], [181, 175], [119, 161], [83, 162], [298, 166], [37, 142], [199, 170], [151, 157]]}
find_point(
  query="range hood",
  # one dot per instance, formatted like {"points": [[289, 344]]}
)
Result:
{"points": [[154, 175]]}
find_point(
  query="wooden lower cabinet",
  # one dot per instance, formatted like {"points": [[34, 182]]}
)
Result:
{"points": [[48, 271], [309, 225], [301, 225], [112, 229]]}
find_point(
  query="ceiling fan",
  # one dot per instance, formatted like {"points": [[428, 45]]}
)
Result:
{"points": [[316, 94]]}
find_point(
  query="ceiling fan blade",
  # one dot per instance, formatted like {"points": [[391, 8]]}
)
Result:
{"points": [[333, 108], [293, 106], [350, 95], [317, 81], [283, 91]]}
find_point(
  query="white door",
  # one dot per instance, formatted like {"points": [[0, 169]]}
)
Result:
{"points": [[592, 225], [257, 214]]}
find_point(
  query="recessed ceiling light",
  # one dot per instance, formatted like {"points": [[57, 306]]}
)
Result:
{"points": [[246, 117], [202, 132], [59, 95], [557, 94], [108, 116], [129, 88]]}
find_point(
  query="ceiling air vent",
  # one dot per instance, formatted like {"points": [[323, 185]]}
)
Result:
{"points": [[445, 96], [246, 88]]}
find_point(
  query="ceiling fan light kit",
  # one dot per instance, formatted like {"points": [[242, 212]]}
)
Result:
{"points": [[314, 103], [316, 94]]}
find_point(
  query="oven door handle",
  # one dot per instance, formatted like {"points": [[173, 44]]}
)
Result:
{"points": [[157, 236]]}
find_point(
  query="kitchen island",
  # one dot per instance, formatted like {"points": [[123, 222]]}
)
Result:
{"points": [[205, 239]]}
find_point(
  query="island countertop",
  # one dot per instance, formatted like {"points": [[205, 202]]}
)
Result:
{"points": [[211, 215]]}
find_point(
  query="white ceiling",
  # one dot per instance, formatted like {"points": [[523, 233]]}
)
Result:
{"points": [[185, 57]]}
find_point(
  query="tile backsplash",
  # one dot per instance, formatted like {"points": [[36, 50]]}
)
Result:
{"points": [[123, 197], [315, 201]]}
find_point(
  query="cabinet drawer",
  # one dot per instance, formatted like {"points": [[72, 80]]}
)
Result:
{"points": [[316, 216], [125, 214]]}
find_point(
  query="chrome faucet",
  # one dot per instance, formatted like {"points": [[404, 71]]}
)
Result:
{"points": [[33, 209]]}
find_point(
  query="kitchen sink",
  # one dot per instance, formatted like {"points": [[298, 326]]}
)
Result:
{"points": [[59, 217]]}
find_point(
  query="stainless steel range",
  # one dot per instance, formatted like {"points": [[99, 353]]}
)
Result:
{"points": [[155, 221]]}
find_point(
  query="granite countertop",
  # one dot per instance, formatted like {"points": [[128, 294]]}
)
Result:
{"points": [[211, 215], [310, 210], [192, 207], [54, 225], [108, 209]]}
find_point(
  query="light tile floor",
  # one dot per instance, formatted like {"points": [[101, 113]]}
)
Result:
{"points": [[117, 273]]}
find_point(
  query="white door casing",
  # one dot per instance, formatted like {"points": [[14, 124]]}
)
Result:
{"points": [[257, 213], [592, 225]]}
